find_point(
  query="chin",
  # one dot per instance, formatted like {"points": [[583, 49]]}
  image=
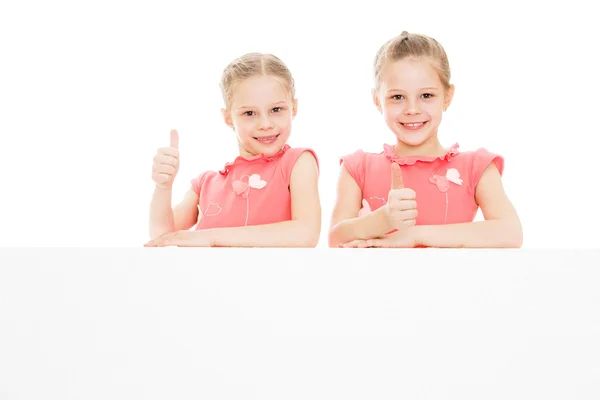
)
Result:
{"points": [[412, 139], [269, 147]]}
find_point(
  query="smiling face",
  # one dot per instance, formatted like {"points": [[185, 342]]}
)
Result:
{"points": [[261, 113], [412, 98]]}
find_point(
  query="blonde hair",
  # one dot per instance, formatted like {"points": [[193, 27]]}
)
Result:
{"points": [[253, 64], [413, 45]]}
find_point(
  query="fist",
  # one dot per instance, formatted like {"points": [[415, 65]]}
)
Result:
{"points": [[401, 207], [166, 163]]}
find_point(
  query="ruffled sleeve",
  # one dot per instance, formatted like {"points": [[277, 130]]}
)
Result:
{"points": [[355, 165], [289, 160], [482, 158], [199, 181]]}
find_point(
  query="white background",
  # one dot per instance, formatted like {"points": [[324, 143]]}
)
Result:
{"points": [[88, 91]]}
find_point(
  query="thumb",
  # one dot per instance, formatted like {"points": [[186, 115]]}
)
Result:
{"points": [[397, 182], [174, 139]]}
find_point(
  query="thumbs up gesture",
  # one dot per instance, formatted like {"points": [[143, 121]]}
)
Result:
{"points": [[166, 163], [401, 208]]}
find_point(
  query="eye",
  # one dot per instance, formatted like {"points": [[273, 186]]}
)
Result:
{"points": [[277, 109], [249, 113], [397, 97], [427, 95]]}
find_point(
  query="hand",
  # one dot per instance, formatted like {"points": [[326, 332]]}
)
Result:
{"points": [[198, 238], [366, 208], [401, 208], [406, 238], [166, 163]]}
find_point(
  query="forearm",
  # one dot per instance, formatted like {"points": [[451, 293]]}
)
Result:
{"points": [[501, 233], [281, 234], [369, 226], [161, 213]]}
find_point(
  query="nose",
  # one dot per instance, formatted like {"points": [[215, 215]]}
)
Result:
{"points": [[412, 107], [265, 123]]}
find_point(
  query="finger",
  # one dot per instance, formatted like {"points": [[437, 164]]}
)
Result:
{"points": [[375, 243], [174, 139], [405, 205], [396, 196], [164, 169], [163, 179], [168, 151], [166, 160], [409, 214], [397, 182], [353, 243], [409, 223]]}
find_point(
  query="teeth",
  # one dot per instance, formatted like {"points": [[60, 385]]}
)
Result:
{"points": [[416, 124], [266, 139]]}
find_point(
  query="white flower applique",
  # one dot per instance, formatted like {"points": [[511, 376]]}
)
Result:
{"points": [[242, 188]]}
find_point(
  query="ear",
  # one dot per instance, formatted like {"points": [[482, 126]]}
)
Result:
{"points": [[227, 118], [448, 96], [375, 95], [294, 108]]}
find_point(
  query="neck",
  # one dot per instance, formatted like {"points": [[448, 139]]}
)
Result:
{"points": [[431, 148]]}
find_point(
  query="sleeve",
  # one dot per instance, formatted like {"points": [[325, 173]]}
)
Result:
{"points": [[480, 161], [289, 160], [198, 181], [355, 164]]}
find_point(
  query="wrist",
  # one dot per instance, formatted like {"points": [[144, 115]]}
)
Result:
{"points": [[163, 189], [418, 233], [383, 221], [368, 226], [211, 237]]}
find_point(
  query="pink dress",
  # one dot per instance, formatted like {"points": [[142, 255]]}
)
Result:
{"points": [[247, 191], [445, 185]]}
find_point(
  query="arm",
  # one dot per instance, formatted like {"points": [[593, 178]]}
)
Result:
{"points": [[303, 230], [163, 219], [501, 228], [345, 225]]}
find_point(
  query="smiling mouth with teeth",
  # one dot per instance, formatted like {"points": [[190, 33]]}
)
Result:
{"points": [[267, 138], [413, 125]]}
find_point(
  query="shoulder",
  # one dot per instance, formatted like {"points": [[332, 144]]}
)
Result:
{"points": [[476, 162], [199, 181], [297, 160], [294, 154], [360, 157], [360, 161]]}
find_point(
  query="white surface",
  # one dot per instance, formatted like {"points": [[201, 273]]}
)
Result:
{"points": [[298, 324], [89, 91]]}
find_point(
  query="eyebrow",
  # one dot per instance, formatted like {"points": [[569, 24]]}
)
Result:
{"points": [[401, 90], [273, 104]]}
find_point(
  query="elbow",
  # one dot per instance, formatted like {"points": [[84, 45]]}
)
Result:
{"points": [[333, 242], [310, 236], [334, 237], [517, 237], [312, 241], [159, 231], [513, 236]]}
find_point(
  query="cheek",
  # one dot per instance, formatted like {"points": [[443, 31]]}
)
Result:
{"points": [[283, 121], [392, 111], [243, 124]]}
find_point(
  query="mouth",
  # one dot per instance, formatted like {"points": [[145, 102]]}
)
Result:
{"points": [[413, 125], [266, 139]]}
